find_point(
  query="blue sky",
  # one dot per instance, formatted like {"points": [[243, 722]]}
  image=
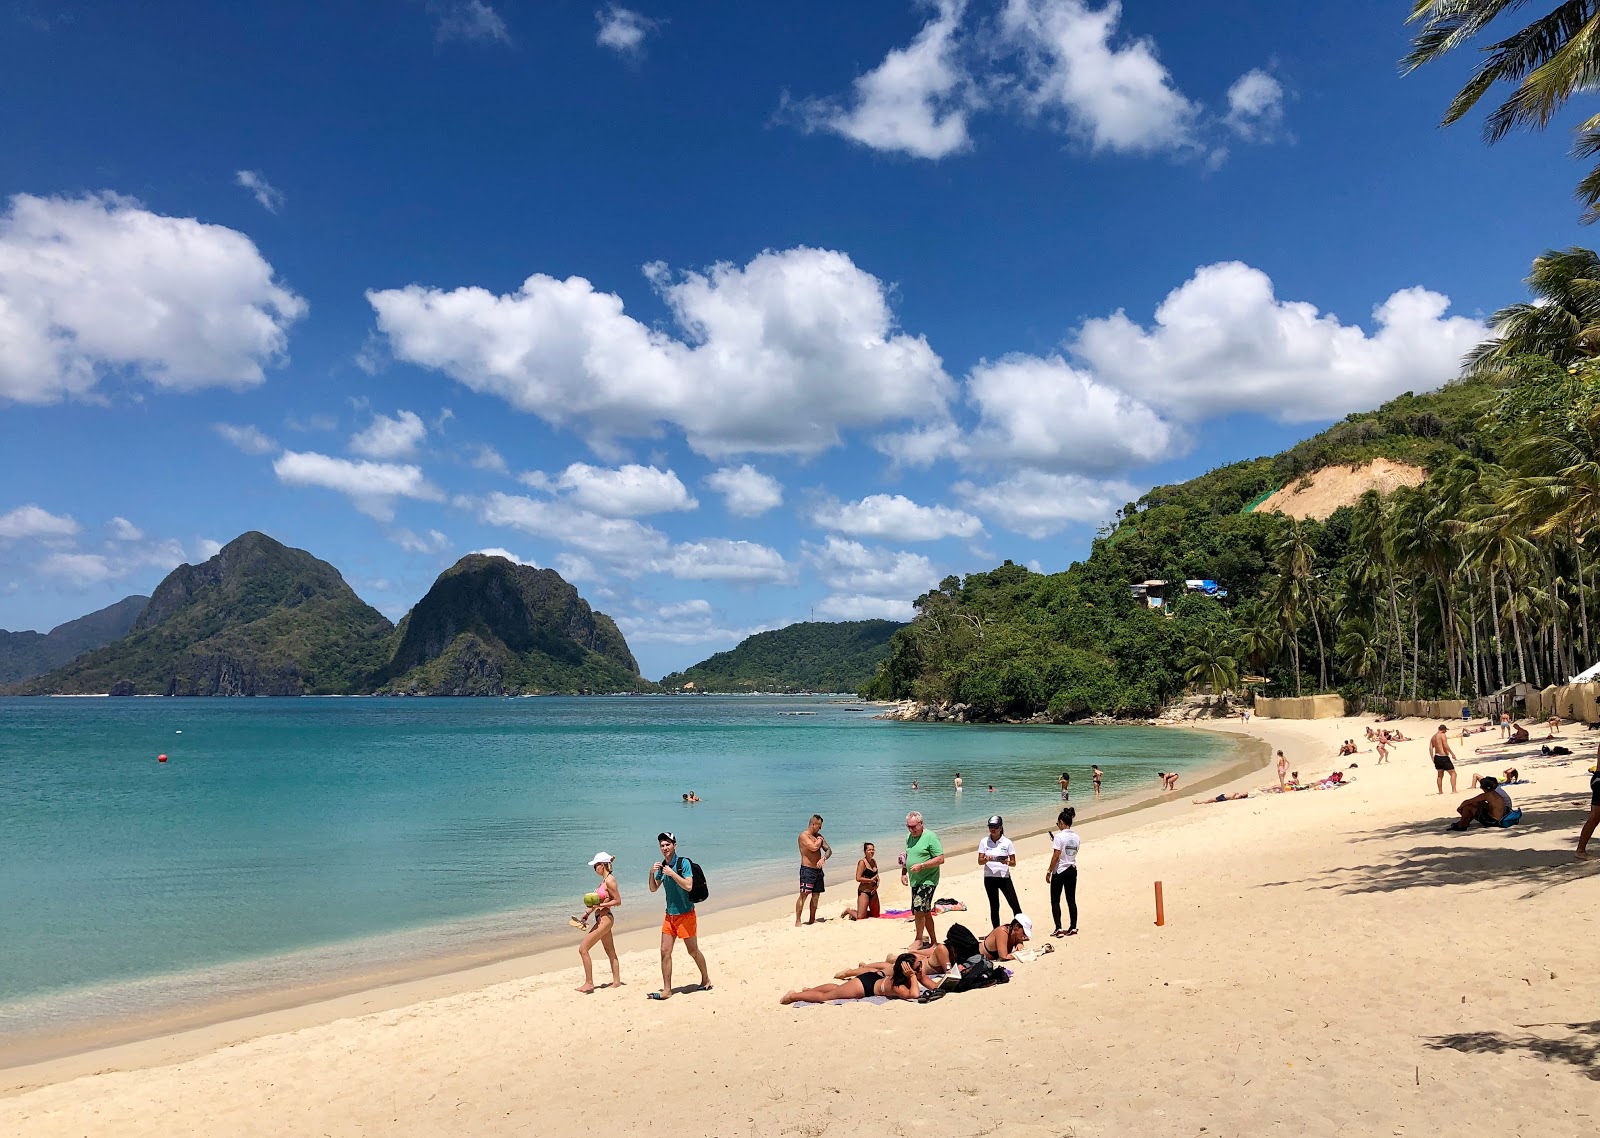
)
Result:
{"points": [[735, 314]]}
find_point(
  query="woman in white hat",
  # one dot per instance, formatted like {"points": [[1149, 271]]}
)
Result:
{"points": [[609, 898]]}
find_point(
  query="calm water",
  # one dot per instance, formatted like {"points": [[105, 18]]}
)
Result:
{"points": [[286, 840]]}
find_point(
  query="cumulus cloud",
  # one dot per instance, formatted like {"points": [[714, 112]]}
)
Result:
{"points": [[572, 567], [485, 457], [98, 284], [850, 567], [30, 522], [840, 606], [267, 196], [623, 30], [245, 438], [1255, 106], [78, 569], [746, 492], [1115, 96], [388, 438], [1223, 342], [683, 622], [1037, 503], [626, 492], [428, 543], [895, 517], [371, 486], [467, 20], [121, 557], [779, 355], [721, 559], [207, 548], [123, 530], [496, 551], [914, 102]]}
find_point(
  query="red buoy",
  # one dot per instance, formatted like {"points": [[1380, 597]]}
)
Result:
{"points": [[161, 758]]}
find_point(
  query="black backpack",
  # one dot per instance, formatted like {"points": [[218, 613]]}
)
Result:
{"points": [[699, 891], [962, 944]]}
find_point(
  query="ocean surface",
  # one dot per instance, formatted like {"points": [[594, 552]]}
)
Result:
{"points": [[285, 842]]}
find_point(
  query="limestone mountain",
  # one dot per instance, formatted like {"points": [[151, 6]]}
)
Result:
{"points": [[24, 655], [259, 618], [489, 626], [811, 656]]}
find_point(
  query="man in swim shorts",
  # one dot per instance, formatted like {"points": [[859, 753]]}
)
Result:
{"points": [[1443, 758], [920, 870], [814, 851], [675, 874], [1593, 820]]}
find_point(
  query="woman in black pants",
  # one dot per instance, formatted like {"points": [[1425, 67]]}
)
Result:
{"points": [[1063, 872], [998, 854]]}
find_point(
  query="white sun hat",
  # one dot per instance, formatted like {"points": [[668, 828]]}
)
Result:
{"points": [[601, 858]]}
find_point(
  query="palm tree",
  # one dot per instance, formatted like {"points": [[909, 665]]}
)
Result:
{"points": [[1212, 662], [1559, 327], [1548, 61], [1258, 639], [1358, 648], [1295, 557]]}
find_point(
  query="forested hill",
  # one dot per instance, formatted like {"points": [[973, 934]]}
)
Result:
{"points": [[811, 656], [1361, 584]]}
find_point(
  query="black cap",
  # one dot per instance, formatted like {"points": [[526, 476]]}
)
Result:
{"points": [[996, 820], [667, 836]]}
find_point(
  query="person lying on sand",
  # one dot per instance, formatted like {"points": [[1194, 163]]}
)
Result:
{"points": [[1220, 798], [1487, 808], [902, 983], [1509, 775]]}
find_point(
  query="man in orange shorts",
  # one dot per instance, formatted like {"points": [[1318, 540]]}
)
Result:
{"points": [[675, 874]]}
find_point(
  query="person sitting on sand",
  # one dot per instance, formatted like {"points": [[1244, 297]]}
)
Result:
{"points": [[1519, 734], [1486, 808], [866, 885], [904, 983], [1220, 798], [1371, 735]]}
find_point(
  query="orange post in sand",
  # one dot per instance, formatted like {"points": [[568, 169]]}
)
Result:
{"points": [[1161, 912]]}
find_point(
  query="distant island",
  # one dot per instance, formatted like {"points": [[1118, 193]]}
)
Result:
{"points": [[24, 655], [810, 656]]}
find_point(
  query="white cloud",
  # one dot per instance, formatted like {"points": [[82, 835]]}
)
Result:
{"points": [[1255, 106], [721, 559], [623, 541], [695, 607], [850, 567], [622, 30], [469, 20], [487, 458], [575, 568], [779, 355], [79, 569], [896, 518], [371, 486], [95, 285], [496, 551], [1037, 504], [746, 492], [428, 543], [626, 492], [1222, 342], [1117, 98], [31, 522], [914, 102], [389, 438], [207, 548], [268, 196], [82, 570], [124, 530], [690, 622], [845, 607], [1044, 412], [248, 439]]}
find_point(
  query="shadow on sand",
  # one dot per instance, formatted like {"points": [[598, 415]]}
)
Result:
{"points": [[1578, 1045]]}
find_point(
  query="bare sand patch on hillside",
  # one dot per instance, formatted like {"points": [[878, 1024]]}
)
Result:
{"points": [[1323, 492]]}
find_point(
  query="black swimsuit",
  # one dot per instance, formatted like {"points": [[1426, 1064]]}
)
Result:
{"points": [[862, 887], [869, 983]]}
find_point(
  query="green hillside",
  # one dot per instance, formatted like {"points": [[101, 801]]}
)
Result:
{"points": [[24, 655], [810, 656]]}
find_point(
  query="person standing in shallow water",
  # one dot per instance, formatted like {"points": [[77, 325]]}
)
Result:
{"points": [[1065, 782], [1098, 775]]}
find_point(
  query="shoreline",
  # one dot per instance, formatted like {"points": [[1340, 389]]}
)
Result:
{"points": [[36, 1058]]}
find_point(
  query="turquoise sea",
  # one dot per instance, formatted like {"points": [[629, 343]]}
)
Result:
{"points": [[285, 842]]}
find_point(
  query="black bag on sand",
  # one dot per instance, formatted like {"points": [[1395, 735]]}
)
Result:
{"points": [[979, 974], [962, 944]]}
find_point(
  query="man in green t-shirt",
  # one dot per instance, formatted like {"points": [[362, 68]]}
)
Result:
{"points": [[920, 869]]}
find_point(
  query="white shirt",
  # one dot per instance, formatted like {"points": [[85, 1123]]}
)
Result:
{"points": [[1002, 849], [1065, 843]]}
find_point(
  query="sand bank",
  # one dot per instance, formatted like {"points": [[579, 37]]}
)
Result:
{"points": [[1333, 962]]}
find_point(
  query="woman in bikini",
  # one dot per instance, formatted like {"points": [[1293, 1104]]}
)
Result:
{"points": [[610, 898], [1003, 942], [904, 982], [866, 885]]}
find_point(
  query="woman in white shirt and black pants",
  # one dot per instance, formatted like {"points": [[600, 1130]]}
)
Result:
{"points": [[1063, 872], [997, 854]]}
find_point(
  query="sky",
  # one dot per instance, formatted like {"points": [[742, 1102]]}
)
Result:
{"points": [[733, 314]]}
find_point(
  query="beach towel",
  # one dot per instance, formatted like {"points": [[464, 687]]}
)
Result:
{"points": [[905, 914], [840, 1003]]}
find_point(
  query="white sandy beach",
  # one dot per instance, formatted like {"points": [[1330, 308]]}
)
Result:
{"points": [[1333, 962]]}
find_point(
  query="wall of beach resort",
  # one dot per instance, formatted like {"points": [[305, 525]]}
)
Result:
{"points": [[1303, 707]]}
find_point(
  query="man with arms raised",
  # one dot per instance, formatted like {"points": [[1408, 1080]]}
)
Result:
{"points": [[814, 852], [920, 869], [675, 874]]}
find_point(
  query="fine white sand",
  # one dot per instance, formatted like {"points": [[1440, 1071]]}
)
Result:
{"points": [[1333, 962]]}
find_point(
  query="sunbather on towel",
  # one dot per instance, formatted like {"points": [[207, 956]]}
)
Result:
{"points": [[904, 983], [1487, 808]]}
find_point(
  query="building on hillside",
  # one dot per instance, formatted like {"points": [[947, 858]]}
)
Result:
{"points": [[1154, 594]]}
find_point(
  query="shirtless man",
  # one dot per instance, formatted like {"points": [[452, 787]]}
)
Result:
{"points": [[1486, 808], [1443, 758], [814, 852], [1098, 775]]}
